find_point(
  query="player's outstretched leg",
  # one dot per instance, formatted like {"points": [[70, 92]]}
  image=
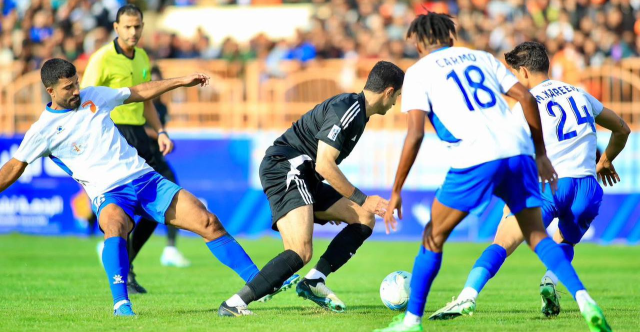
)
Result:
{"points": [[187, 212], [296, 229], [426, 266], [555, 260], [341, 249], [506, 241], [116, 225]]}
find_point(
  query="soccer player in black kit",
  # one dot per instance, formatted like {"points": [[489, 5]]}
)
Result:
{"points": [[292, 174]]}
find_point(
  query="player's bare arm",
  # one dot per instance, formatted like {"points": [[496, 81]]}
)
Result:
{"points": [[619, 134], [326, 166], [412, 143], [531, 113], [10, 172], [153, 121], [153, 89]]}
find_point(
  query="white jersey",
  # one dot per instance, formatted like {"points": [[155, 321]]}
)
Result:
{"points": [[461, 91], [568, 126], [85, 142]]}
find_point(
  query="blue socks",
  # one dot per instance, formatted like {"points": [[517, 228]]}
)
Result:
{"points": [[425, 269], [486, 267], [116, 263], [553, 257], [568, 250], [228, 251]]}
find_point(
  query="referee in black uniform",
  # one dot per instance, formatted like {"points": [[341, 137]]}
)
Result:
{"points": [[292, 174]]}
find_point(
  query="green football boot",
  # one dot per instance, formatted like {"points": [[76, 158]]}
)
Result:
{"points": [[595, 318], [397, 325], [455, 308], [316, 291], [550, 298]]}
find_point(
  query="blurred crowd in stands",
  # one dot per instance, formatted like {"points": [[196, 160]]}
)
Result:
{"points": [[578, 33]]}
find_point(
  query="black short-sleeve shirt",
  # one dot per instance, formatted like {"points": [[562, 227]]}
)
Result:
{"points": [[338, 121]]}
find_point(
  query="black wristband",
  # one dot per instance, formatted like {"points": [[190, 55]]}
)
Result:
{"points": [[358, 197], [162, 132]]}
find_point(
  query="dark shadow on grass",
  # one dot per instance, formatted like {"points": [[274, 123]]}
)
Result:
{"points": [[197, 311]]}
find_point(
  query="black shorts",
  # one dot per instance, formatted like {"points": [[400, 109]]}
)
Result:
{"points": [[137, 137], [290, 181]]}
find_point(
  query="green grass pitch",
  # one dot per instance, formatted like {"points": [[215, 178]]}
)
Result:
{"points": [[57, 284]]}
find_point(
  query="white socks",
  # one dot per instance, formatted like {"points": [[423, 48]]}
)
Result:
{"points": [[582, 297], [315, 274], [236, 301], [411, 319], [551, 276], [468, 293]]}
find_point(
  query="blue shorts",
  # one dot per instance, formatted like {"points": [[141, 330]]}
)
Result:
{"points": [[514, 180], [148, 196], [575, 204]]}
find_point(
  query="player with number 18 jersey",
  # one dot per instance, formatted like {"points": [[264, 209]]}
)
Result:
{"points": [[461, 92]]}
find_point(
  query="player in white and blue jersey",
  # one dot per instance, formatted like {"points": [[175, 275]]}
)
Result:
{"points": [[460, 91], [568, 117], [76, 132]]}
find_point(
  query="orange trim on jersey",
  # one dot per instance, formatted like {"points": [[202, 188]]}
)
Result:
{"points": [[93, 106]]}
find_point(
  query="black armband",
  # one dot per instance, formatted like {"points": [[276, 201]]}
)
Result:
{"points": [[358, 197]]}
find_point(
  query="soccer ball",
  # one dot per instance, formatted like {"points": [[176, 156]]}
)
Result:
{"points": [[395, 290]]}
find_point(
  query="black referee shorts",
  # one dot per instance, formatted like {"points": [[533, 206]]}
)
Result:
{"points": [[137, 137], [290, 181]]}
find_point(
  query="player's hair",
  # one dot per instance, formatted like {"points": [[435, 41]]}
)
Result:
{"points": [[383, 75], [55, 69], [433, 28], [531, 55], [128, 9]]}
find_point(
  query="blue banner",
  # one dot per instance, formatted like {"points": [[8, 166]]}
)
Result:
{"points": [[221, 170]]}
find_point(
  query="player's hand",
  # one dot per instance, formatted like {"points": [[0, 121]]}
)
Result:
{"points": [[394, 204], [547, 173], [165, 144], [195, 79], [376, 205], [606, 172], [333, 222]]}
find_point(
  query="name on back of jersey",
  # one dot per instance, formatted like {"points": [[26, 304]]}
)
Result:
{"points": [[554, 92], [456, 60]]}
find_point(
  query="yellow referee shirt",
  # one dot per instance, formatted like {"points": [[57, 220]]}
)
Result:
{"points": [[110, 67]]}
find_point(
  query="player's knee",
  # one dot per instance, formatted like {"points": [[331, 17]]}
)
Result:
{"points": [[212, 227], [305, 251], [433, 241], [367, 218], [116, 226]]}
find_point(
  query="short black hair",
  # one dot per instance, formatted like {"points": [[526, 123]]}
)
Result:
{"points": [[55, 69], [128, 9], [383, 75], [433, 28], [531, 55]]}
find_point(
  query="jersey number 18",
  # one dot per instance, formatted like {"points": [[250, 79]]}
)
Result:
{"points": [[475, 85]]}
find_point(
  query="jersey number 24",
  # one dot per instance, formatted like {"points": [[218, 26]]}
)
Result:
{"points": [[563, 118]]}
